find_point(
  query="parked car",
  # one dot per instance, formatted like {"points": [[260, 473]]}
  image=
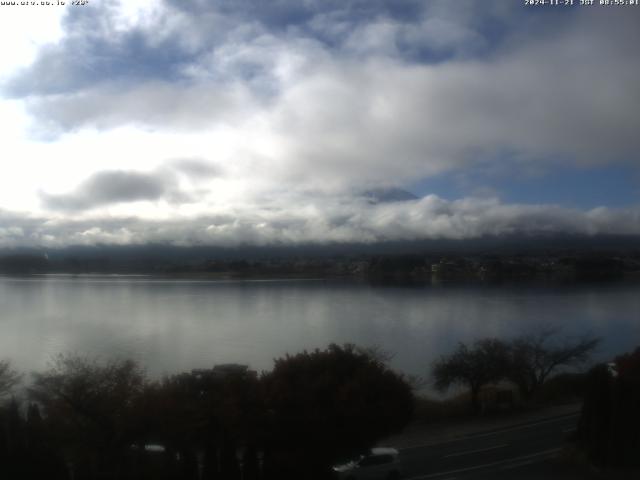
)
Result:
{"points": [[379, 463]]}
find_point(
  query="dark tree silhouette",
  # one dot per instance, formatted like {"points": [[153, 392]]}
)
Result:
{"points": [[9, 378], [533, 358], [474, 367], [88, 405], [88, 419], [329, 404], [217, 412], [528, 361]]}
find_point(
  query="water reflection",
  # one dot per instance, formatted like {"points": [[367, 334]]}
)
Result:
{"points": [[176, 325]]}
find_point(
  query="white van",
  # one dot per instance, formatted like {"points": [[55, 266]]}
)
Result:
{"points": [[380, 463]]}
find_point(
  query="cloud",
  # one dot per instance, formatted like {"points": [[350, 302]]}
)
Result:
{"points": [[131, 42], [301, 104], [342, 220], [112, 187], [388, 120], [194, 168], [339, 120], [153, 104], [101, 44]]}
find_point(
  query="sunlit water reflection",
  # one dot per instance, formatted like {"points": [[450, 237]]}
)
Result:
{"points": [[174, 325]]}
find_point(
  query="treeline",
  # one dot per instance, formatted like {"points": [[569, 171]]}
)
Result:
{"points": [[84, 419], [423, 268], [526, 362]]}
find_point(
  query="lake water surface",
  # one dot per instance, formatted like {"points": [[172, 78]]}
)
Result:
{"points": [[175, 325]]}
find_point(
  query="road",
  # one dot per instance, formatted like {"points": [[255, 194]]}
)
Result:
{"points": [[521, 452]]}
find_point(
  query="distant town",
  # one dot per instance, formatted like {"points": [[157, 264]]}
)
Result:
{"points": [[563, 265]]}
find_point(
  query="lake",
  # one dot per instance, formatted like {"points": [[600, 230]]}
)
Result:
{"points": [[174, 325]]}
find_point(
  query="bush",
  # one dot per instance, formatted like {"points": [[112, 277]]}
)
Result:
{"points": [[330, 404]]}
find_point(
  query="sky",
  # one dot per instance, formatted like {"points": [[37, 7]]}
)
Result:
{"points": [[236, 122]]}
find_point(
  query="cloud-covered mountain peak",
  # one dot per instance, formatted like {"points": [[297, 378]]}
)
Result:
{"points": [[388, 195]]}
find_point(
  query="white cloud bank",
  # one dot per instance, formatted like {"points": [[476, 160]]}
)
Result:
{"points": [[340, 221]]}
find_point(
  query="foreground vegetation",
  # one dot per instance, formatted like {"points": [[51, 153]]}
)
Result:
{"points": [[526, 362], [607, 434], [87, 419], [609, 428], [91, 420]]}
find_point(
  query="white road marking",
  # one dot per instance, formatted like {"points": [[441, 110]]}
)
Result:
{"points": [[508, 461], [469, 452]]}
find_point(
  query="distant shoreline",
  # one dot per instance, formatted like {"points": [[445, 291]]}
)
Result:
{"points": [[416, 268], [400, 281]]}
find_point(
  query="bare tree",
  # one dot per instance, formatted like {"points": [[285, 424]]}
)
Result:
{"points": [[97, 392], [9, 378], [533, 358], [88, 406], [383, 356], [481, 364], [377, 352]]}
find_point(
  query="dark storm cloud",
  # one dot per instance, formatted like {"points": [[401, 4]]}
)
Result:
{"points": [[111, 187]]}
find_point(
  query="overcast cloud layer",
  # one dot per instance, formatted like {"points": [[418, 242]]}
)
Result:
{"points": [[249, 122]]}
